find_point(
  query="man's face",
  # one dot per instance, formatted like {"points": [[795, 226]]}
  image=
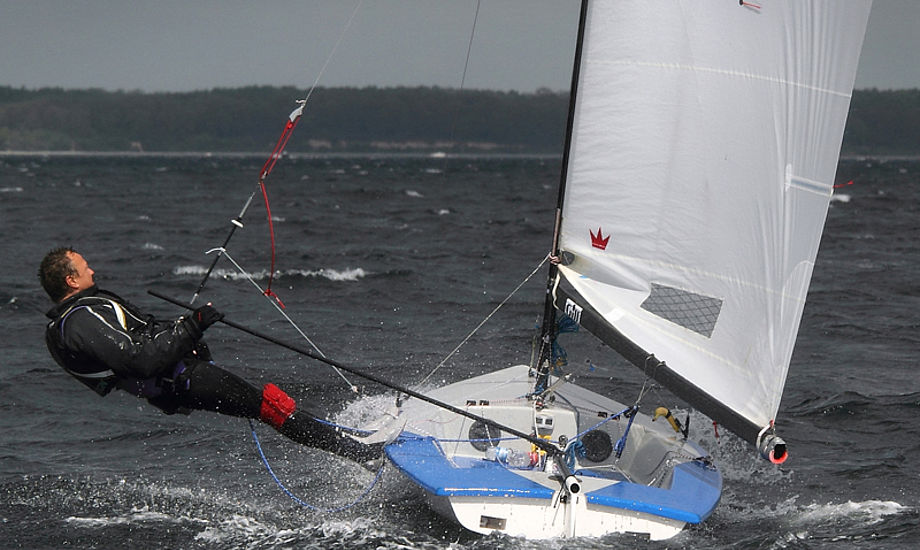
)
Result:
{"points": [[83, 278]]}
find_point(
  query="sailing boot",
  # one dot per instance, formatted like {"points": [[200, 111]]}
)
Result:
{"points": [[280, 411]]}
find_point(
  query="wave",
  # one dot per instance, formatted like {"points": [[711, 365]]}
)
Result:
{"points": [[338, 275], [240, 530], [868, 512], [791, 524], [395, 518], [848, 404], [135, 516], [186, 515]]}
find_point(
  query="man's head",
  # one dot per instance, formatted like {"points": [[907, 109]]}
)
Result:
{"points": [[63, 273]]}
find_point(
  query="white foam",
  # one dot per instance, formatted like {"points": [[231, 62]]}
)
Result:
{"points": [[801, 520], [868, 512], [239, 528], [366, 409], [233, 527], [136, 515], [348, 274]]}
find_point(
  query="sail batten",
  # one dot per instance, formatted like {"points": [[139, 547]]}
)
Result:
{"points": [[704, 145], [847, 94]]}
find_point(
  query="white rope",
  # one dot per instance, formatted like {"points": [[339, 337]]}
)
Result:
{"points": [[332, 53]]}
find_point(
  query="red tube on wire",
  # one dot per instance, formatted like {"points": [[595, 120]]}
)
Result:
{"points": [[266, 170]]}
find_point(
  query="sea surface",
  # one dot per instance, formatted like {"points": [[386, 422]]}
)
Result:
{"points": [[387, 264]]}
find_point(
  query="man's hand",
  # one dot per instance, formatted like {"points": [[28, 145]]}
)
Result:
{"points": [[206, 316]]}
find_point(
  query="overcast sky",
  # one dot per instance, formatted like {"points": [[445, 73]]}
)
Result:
{"points": [[180, 45]]}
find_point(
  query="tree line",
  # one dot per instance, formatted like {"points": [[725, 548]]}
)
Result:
{"points": [[401, 119]]}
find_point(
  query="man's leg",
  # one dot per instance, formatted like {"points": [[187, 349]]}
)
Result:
{"points": [[302, 426], [206, 386]]}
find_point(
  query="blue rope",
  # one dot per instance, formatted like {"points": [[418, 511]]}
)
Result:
{"points": [[602, 422], [301, 502], [621, 443]]}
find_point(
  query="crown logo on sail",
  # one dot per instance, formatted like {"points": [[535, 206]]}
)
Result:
{"points": [[599, 240]]}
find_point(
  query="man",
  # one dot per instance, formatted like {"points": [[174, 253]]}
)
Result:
{"points": [[106, 343]]}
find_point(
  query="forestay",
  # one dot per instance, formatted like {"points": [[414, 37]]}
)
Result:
{"points": [[704, 148]]}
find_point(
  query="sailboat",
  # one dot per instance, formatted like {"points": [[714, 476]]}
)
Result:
{"points": [[701, 150]]}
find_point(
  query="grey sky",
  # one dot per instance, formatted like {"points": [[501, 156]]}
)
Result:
{"points": [[179, 45]]}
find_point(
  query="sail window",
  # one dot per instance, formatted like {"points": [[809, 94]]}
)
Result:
{"points": [[692, 311]]}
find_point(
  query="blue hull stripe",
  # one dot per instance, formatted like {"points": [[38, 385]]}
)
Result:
{"points": [[422, 460], [693, 495]]}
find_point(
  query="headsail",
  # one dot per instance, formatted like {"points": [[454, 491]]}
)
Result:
{"points": [[703, 153]]}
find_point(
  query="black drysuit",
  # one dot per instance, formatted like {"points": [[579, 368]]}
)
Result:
{"points": [[106, 343]]}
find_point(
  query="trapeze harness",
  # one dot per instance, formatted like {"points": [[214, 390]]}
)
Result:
{"points": [[163, 389], [96, 377]]}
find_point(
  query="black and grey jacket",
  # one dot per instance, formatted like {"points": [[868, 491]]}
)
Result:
{"points": [[102, 340]]}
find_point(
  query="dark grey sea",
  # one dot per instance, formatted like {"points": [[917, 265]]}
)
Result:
{"points": [[387, 264]]}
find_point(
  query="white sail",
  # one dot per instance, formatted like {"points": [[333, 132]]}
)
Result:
{"points": [[705, 143]]}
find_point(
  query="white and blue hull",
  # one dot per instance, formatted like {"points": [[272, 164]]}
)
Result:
{"points": [[659, 484]]}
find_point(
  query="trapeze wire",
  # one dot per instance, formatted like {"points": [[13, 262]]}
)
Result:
{"points": [[248, 277]]}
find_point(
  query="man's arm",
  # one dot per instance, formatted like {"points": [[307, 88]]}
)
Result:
{"points": [[98, 333]]}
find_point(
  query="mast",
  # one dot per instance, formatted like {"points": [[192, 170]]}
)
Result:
{"points": [[548, 327]]}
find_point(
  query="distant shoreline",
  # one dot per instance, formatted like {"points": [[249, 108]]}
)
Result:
{"points": [[356, 123], [349, 155]]}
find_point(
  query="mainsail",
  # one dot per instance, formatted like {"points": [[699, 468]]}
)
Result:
{"points": [[703, 149]]}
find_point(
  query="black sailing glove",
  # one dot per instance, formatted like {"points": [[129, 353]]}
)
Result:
{"points": [[206, 316], [202, 318]]}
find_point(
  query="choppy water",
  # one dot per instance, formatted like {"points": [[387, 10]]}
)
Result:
{"points": [[387, 264]]}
